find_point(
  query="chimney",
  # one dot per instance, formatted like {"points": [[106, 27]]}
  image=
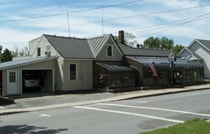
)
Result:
{"points": [[121, 36]]}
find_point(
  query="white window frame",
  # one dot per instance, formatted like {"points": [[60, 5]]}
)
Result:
{"points": [[107, 51], [38, 52], [75, 71]]}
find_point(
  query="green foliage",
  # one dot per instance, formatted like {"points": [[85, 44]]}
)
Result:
{"points": [[6, 56], [177, 48], [162, 43], [195, 126], [128, 37]]}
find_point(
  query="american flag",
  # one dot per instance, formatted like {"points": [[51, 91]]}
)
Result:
{"points": [[153, 69]]}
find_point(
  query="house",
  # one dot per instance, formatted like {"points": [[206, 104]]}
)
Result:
{"points": [[155, 69], [198, 51], [61, 64]]}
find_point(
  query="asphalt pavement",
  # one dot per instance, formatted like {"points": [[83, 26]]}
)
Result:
{"points": [[44, 101]]}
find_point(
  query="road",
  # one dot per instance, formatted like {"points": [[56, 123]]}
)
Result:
{"points": [[119, 117]]}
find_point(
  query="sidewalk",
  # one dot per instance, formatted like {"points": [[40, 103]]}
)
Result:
{"points": [[52, 101]]}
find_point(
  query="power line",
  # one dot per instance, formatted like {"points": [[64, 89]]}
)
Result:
{"points": [[198, 18], [106, 6], [145, 14], [79, 11], [31, 18], [158, 12], [152, 27]]}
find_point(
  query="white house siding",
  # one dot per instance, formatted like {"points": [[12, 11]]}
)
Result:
{"points": [[204, 54], [186, 54], [117, 55], [46, 65], [43, 44], [84, 75], [59, 74]]}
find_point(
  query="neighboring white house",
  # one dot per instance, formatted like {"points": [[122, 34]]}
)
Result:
{"points": [[199, 51]]}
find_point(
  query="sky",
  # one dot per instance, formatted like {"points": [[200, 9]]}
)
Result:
{"points": [[181, 20]]}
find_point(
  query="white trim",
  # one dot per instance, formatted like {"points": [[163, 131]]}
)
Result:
{"points": [[16, 88], [112, 52], [117, 46], [40, 59], [197, 40]]}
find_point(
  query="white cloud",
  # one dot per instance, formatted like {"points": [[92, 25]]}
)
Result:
{"points": [[89, 23]]}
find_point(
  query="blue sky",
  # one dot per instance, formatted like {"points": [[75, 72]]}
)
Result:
{"points": [[181, 20]]}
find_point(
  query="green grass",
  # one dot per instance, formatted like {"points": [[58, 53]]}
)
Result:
{"points": [[207, 81], [195, 126]]}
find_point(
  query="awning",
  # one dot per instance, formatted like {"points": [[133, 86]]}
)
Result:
{"points": [[115, 67]]}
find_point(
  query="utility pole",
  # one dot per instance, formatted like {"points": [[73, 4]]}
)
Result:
{"points": [[102, 20], [68, 24]]}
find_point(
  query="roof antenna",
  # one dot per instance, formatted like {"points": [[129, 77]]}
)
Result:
{"points": [[68, 24], [102, 19]]}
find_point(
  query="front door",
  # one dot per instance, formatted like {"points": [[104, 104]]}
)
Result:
{"points": [[12, 82]]}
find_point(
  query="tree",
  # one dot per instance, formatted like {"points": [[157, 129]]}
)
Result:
{"points": [[129, 39], [6, 55], [177, 48], [163, 43], [20, 51], [151, 42]]}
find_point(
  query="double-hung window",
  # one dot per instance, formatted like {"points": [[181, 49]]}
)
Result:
{"points": [[73, 71], [109, 51], [38, 51]]}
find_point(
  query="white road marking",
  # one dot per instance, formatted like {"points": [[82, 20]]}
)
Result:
{"points": [[138, 101], [44, 115], [129, 113], [153, 108]]}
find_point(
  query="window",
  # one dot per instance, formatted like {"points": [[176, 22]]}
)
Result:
{"points": [[48, 47], [109, 51], [38, 51], [12, 77], [73, 71]]}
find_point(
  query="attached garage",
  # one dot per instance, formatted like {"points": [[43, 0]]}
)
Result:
{"points": [[37, 80], [28, 75]]}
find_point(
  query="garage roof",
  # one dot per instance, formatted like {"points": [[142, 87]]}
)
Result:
{"points": [[18, 63]]}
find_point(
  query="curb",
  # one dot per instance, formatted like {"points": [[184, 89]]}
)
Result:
{"points": [[117, 98]]}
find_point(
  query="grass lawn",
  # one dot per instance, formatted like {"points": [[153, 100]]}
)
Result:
{"points": [[195, 126]]}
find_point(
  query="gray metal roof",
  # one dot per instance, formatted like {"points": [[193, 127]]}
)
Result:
{"points": [[127, 50], [68, 47], [98, 42], [115, 67], [160, 60], [206, 43], [18, 63]]}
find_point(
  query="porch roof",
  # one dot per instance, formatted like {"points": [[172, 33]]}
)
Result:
{"points": [[161, 61], [22, 62], [115, 66]]}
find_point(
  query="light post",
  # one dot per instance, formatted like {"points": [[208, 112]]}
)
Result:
{"points": [[172, 58]]}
